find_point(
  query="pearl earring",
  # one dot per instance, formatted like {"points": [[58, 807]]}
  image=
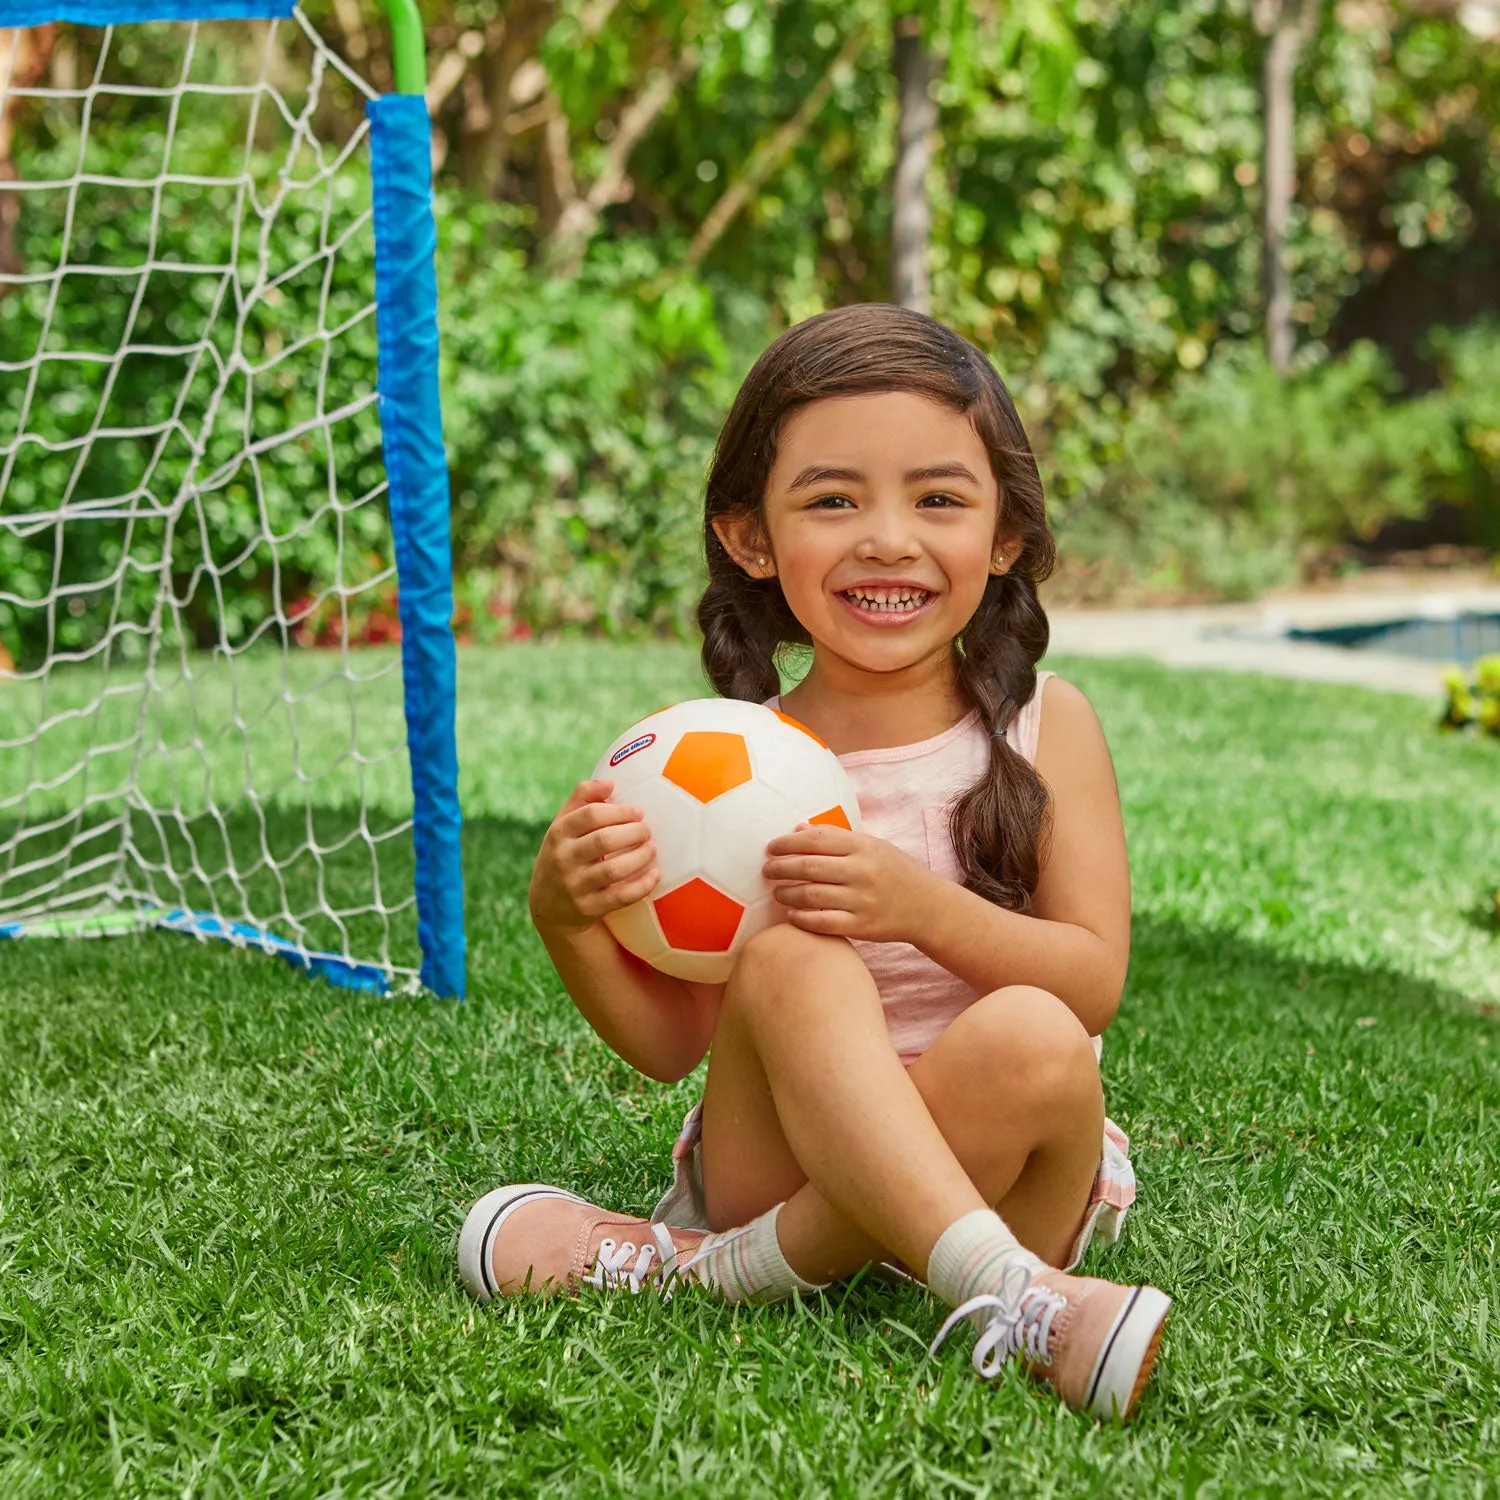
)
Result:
{"points": [[761, 561]]}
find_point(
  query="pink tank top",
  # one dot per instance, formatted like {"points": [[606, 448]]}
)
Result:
{"points": [[905, 793]]}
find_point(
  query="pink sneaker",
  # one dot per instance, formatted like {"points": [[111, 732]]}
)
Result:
{"points": [[1092, 1341], [528, 1237]]}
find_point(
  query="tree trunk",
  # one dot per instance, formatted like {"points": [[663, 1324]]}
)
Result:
{"points": [[486, 147], [1288, 31], [911, 216], [1279, 182]]}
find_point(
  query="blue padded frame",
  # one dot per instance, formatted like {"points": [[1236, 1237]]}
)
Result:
{"points": [[416, 467], [128, 12]]}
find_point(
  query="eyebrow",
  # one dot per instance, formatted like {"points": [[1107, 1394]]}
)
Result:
{"points": [[823, 474]]}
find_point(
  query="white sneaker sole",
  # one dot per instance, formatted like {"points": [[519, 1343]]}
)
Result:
{"points": [[476, 1241], [1128, 1354]]}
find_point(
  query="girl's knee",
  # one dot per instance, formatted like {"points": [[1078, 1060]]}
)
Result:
{"points": [[776, 962], [1028, 1040]]}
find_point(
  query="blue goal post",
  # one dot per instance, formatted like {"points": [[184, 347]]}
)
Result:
{"points": [[140, 832]]}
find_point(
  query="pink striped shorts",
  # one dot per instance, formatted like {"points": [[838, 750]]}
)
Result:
{"points": [[682, 1207]]}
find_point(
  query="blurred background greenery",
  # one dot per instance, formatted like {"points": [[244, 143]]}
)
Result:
{"points": [[1239, 261]]}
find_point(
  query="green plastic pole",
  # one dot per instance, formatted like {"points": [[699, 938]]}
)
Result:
{"points": [[408, 46], [95, 924]]}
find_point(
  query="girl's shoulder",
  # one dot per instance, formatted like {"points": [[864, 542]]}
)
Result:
{"points": [[1059, 696], [1067, 729]]}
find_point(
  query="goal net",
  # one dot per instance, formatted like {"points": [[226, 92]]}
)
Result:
{"points": [[226, 667]]}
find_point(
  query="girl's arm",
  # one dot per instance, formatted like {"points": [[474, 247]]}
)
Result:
{"points": [[1076, 942], [659, 1025], [598, 857]]}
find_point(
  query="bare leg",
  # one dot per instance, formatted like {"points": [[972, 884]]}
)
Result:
{"points": [[808, 1103], [806, 1007], [1014, 1087]]}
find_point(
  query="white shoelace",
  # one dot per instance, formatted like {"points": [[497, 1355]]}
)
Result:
{"points": [[1020, 1324], [658, 1264]]}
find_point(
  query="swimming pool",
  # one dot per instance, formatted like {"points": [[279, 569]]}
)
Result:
{"points": [[1459, 637]]}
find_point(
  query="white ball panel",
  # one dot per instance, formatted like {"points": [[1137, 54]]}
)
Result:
{"points": [[766, 912], [846, 796], [639, 765], [725, 714], [791, 763], [701, 968], [675, 819], [636, 930], [736, 829]]}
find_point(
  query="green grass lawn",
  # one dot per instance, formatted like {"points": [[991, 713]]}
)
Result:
{"points": [[229, 1196]]}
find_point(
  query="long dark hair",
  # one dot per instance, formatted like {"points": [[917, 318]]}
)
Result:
{"points": [[1000, 823]]}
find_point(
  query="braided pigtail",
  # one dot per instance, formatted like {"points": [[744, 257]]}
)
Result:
{"points": [[999, 825]]}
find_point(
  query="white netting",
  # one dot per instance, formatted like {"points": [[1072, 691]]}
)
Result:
{"points": [[201, 705]]}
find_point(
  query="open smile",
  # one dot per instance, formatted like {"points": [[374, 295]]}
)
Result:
{"points": [[884, 608]]}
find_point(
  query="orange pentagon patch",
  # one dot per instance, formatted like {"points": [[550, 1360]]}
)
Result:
{"points": [[836, 816], [698, 919], [797, 724], [707, 763]]}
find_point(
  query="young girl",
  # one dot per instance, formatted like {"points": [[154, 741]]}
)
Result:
{"points": [[907, 1067]]}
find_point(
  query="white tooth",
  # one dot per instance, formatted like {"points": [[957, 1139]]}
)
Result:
{"points": [[889, 599]]}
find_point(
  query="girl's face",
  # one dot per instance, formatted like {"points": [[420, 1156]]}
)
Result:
{"points": [[882, 514]]}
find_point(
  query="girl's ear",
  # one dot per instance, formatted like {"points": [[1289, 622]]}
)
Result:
{"points": [[1006, 551], [740, 540]]}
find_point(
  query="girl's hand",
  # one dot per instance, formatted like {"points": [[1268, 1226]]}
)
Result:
{"points": [[596, 858], [846, 884]]}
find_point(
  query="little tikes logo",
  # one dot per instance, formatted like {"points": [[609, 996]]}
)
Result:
{"points": [[626, 751]]}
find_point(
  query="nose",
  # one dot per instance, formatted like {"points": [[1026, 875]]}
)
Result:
{"points": [[888, 540]]}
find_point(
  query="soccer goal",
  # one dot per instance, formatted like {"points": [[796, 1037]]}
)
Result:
{"points": [[226, 661]]}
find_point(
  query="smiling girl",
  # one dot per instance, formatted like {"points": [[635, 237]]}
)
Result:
{"points": [[906, 1070]]}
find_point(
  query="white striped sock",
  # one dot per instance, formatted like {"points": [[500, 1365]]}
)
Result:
{"points": [[972, 1255], [746, 1265]]}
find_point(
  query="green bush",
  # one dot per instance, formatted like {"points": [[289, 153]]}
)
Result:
{"points": [[1095, 234], [580, 418], [1237, 478]]}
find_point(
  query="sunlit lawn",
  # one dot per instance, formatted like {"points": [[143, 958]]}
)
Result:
{"points": [[229, 1196]]}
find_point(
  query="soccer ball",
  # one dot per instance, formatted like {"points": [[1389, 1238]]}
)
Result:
{"points": [[717, 779]]}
